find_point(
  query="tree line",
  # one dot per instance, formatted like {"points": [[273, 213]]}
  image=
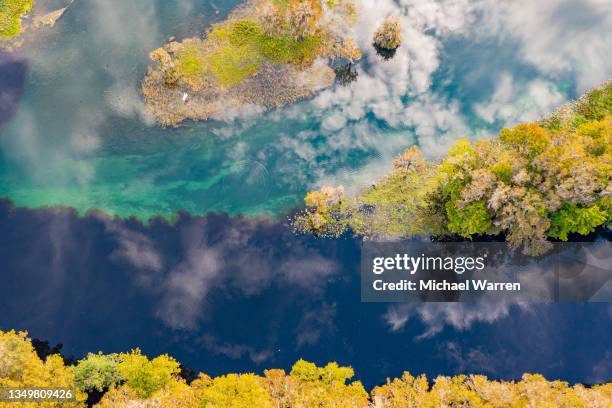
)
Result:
{"points": [[132, 380]]}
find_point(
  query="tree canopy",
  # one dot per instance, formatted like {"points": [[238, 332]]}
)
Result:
{"points": [[133, 380], [532, 183]]}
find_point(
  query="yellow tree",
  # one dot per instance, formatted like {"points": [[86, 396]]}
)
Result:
{"points": [[234, 391], [20, 367]]}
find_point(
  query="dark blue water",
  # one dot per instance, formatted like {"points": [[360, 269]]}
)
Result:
{"points": [[226, 294]]}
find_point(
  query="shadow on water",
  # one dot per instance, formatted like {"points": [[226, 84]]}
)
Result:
{"points": [[234, 294], [385, 53], [12, 79]]}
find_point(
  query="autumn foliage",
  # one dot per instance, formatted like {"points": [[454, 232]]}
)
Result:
{"points": [[21, 367], [533, 183], [133, 380]]}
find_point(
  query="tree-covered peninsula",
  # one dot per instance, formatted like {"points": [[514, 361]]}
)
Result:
{"points": [[133, 380], [532, 183], [267, 53]]}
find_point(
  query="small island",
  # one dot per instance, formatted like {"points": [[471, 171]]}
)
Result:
{"points": [[388, 38], [267, 53]]}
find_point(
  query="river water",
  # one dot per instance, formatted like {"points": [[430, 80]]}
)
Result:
{"points": [[222, 292], [79, 137]]}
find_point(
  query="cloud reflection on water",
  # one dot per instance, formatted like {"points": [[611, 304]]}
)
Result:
{"points": [[466, 68], [239, 294]]}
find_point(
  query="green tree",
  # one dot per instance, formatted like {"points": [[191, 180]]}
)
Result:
{"points": [[236, 391], [20, 367], [97, 372], [147, 376], [571, 218], [468, 220]]}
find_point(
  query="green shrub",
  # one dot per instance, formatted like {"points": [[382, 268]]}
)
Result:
{"points": [[243, 32], [190, 63], [286, 49], [232, 65]]}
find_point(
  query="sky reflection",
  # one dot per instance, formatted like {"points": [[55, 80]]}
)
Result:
{"points": [[242, 294], [80, 136]]}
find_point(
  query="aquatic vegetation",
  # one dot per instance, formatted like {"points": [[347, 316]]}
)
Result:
{"points": [[131, 379], [265, 53], [533, 182], [11, 12]]}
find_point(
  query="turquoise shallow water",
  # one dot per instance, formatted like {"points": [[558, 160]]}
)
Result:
{"points": [[79, 138]]}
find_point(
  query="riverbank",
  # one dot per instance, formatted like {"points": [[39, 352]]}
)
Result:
{"points": [[531, 184]]}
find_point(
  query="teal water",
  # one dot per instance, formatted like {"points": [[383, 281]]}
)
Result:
{"points": [[79, 137]]}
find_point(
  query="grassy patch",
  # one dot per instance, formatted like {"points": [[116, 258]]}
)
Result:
{"points": [[287, 50], [191, 64], [236, 56], [236, 49], [11, 12], [242, 47], [231, 65]]}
